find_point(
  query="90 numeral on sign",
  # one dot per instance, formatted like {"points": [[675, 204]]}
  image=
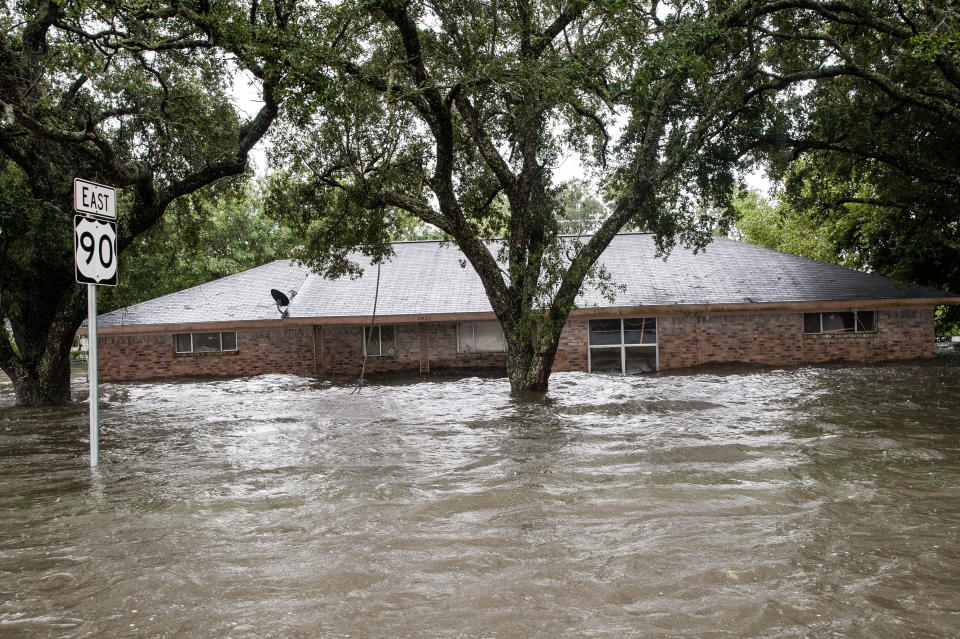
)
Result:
{"points": [[105, 252], [96, 251]]}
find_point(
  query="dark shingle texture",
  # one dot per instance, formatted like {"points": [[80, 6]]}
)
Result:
{"points": [[731, 272], [426, 278]]}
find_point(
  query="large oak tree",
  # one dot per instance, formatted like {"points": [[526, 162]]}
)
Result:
{"points": [[868, 156], [133, 95], [459, 113]]}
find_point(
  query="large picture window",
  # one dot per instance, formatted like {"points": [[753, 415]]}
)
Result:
{"points": [[623, 346], [379, 341], [840, 322], [224, 341], [480, 337]]}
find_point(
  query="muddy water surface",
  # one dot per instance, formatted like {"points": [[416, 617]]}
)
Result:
{"points": [[802, 502]]}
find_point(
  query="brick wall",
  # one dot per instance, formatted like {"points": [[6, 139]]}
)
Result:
{"points": [[777, 338], [572, 350], [342, 351], [685, 339], [441, 346], [420, 348], [132, 357]]}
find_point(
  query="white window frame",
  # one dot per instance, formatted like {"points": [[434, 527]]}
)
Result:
{"points": [[473, 328], [219, 337], [623, 346], [379, 328], [855, 322]]}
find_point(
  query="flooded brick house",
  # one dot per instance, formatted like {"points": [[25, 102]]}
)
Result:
{"points": [[733, 302]]}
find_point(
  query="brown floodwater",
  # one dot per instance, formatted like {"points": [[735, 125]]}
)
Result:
{"points": [[729, 502]]}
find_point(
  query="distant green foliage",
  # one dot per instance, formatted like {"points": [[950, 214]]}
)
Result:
{"points": [[867, 156], [777, 227], [946, 322], [580, 211]]}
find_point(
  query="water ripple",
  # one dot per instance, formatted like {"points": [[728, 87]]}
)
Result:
{"points": [[732, 501]]}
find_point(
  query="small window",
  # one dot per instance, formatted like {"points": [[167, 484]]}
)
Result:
{"points": [[639, 359], [604, 332], [465, 338], [182, 343], [840, 322], [480, 337], [606, 360], [836, 322], [640, 330], [866, 321], [228, 341], [379, 341], [205, 342], [624, 346]]}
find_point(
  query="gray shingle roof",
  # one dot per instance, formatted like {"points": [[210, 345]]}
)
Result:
{"points": [[427, 278], [732, 272], [422, 278], [241, 297]]}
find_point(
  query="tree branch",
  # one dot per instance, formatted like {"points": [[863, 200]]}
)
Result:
{"points": [[641, 188], [77, 138], [570, 12], [486, 147], [903, 164], [250, 134]]}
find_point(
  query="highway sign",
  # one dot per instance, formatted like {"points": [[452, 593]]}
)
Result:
{"points": [[95, 250], [95, 258], [95, 199]]}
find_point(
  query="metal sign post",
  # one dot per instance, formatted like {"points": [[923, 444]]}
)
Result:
{"points": [[95, 253], [92, 374]]}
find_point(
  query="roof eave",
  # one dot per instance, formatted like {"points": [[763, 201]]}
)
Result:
{"points": [[822, 305], [417, 318]]}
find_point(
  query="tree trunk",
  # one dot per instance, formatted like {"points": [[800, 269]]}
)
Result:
{"points": [[529, 368], [43, 331], [33, 387]]}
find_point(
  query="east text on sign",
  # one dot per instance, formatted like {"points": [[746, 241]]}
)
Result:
{"points": [[95, 199]]}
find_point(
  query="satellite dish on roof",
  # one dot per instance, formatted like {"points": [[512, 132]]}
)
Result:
{"points": [[281, 299]]}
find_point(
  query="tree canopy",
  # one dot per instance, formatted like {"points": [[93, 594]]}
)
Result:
{"points": [[458, 114], [135, 96], [868, 152]]}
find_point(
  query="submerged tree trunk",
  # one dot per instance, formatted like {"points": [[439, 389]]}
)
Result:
{"points": [[529, 371], [531, 350], [39, 366], [44, 386]]}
